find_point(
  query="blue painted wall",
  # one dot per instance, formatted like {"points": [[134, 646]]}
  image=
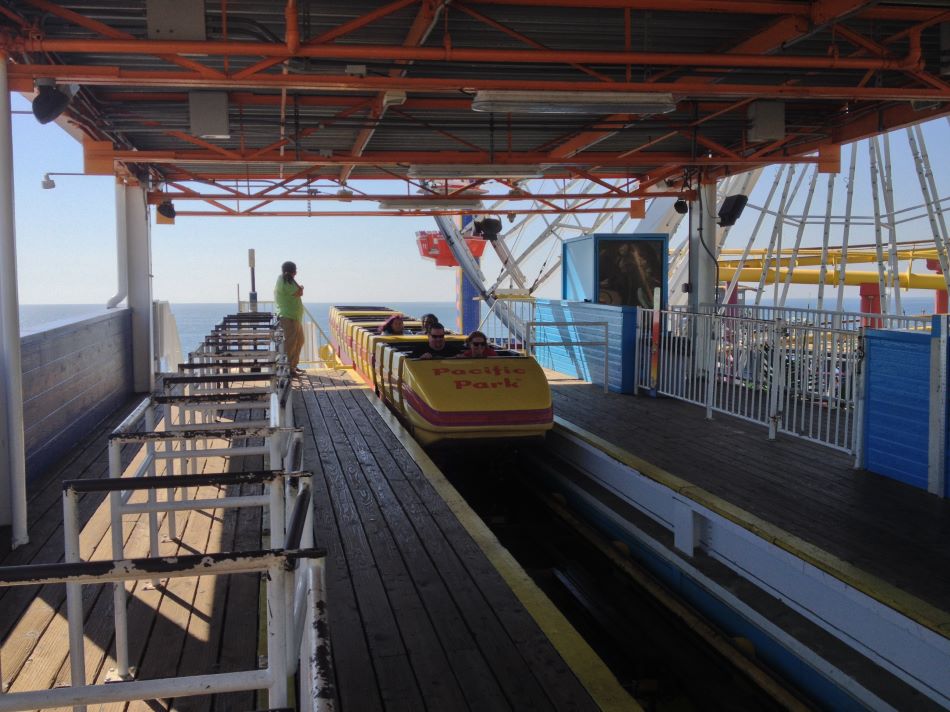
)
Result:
{"points": [[939, 324], [469, 310], [587, 362], [897, 405]]}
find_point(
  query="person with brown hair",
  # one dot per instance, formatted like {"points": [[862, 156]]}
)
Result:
{"points": [[477, 346], [393, 326]]}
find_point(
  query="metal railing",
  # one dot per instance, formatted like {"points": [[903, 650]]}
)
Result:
{"points": [[317, 348], [795, 378], [847, 321], [506, 322], [174, 431]]}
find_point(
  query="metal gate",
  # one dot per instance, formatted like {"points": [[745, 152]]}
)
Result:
{"points": [[799, 379]]}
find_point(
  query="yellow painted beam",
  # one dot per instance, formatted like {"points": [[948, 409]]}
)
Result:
{"points": [[852, 277]]}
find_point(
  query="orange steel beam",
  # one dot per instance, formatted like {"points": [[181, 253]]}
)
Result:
{"points": [[396, 158], [337, 32], [591, 137], [187, 191], [711, 145], [239, 98], [615, 191], [391, 213], [523, 38], [436, 129], [157, 196], [421, 26], [223, 152], [111, 32], [22, 76], [732, 7], [826, 11], [463, 54]]}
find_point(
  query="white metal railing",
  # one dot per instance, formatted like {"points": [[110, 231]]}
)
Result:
{"points": [[284, 625], [850, 321], [506, 322], [795, 378], [317, 347], [191, 414], [531, 344]]}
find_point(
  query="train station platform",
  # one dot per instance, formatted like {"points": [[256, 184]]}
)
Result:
{"points": [[869, 527], [844, 572], [426, 610]]}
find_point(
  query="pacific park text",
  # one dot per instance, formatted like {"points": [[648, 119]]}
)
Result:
{"points": [[495, 370]]}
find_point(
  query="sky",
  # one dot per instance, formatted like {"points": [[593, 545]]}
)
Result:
{"points": [[66, 242], [66, 236]]}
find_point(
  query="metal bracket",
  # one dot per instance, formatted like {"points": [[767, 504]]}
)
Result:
{"points": [[113, 676]]}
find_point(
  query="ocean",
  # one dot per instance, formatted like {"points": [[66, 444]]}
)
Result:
{"points": [[195, 320]]}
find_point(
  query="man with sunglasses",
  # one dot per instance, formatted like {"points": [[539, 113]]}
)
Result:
{"points": [[478, 347], [436, 346]]}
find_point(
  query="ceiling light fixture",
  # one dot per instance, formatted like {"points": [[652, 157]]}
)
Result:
{"points": [[475, 171], [567, 102], [48, 183], [456, 203], [50, 101]]}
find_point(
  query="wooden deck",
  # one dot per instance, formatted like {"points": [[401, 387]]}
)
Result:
{"points": [[893, 532], [419, 618]]}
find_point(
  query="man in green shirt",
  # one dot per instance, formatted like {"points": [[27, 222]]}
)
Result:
{"points": [[287, 298]]}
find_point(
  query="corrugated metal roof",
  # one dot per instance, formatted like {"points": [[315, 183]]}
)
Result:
{"points": [[333, 117]]}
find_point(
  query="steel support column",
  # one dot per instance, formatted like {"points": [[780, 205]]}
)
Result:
{"points": [[702, 247], [13, 458], [134, 220]]}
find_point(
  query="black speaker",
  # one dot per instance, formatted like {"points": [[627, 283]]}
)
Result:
{"points": [[731, 209]]}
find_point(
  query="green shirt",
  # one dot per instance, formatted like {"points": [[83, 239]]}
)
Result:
{"points": [[289, 306]]}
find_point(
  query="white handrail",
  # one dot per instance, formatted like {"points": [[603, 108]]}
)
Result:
{"points": [[317, 347]]}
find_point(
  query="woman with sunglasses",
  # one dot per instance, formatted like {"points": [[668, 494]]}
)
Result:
{"points": [[477, 347]]}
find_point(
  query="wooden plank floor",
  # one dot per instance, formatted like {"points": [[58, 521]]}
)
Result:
{"points": [[184, 627], [897, 533], [419, 618]]}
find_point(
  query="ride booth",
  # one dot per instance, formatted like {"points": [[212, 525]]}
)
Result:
{"points": [[905, 407], [591, 332]]}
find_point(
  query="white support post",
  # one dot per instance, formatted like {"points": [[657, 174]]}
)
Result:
{"points": [[74, 612], [772, 254], [878, 234], [702, 247], [139, 252], [845, 235], [120, 613], [775, 362], [825, 237], [13, 459], [277, 633], [685, 529]]}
